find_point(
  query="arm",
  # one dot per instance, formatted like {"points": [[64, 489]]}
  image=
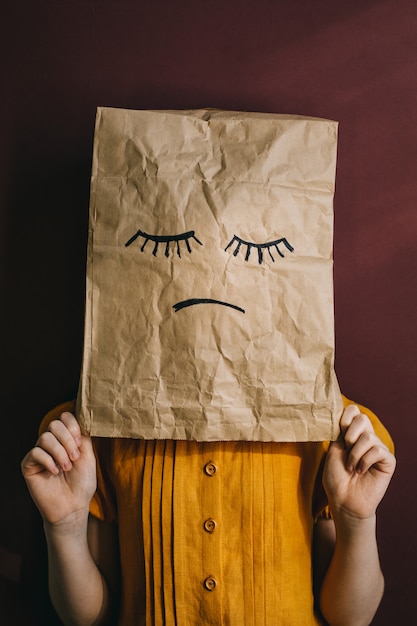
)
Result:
{"points": [[81, 591], [61, 476], [356, 475]]}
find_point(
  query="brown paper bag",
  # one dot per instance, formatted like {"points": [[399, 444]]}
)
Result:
{"points": [[209, 310]]}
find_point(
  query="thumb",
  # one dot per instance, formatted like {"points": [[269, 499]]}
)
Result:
{"points": [[336, 458], [336, 449]]}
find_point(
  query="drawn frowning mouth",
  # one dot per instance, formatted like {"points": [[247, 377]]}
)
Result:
{"points": [[192, 301]]}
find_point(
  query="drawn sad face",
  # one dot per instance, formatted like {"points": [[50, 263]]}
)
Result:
{"points": [[203, 289], [202, 302], [209, 276], [238, 242]]}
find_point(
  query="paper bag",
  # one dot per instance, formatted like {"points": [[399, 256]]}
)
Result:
{"points": [[209, 309]]}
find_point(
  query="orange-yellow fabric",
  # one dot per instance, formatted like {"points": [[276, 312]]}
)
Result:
{"points": [[213, 534]]}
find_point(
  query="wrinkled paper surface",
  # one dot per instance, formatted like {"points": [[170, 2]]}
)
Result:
{"points": [[209, 309]]}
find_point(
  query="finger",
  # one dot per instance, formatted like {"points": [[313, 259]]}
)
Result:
{"points": [[353, 425], [65, 437], [350, 412], [378, 457], [52, 446], [359, 452], [38, 460], [350, 415], [73, 426]]}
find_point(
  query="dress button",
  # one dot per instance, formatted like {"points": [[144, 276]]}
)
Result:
{"points": [[210, 525], [210, 468], [210, 583]]}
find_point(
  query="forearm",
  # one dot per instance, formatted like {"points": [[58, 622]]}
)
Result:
{"points": [[353, 585], [77, 588]]}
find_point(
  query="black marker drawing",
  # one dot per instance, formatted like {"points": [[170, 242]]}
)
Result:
{"points": [[192, 301], [260, 247], [166, 239]]}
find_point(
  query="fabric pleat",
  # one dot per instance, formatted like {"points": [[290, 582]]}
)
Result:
{"points": [[214, 533]]}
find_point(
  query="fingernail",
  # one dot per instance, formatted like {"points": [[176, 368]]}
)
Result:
{"points": [[75, 454]]}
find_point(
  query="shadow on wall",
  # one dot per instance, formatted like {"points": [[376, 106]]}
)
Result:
{"points": [[43, 292]]}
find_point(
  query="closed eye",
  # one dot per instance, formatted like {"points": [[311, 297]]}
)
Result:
{"points": [[164, 239], [276, 245]]}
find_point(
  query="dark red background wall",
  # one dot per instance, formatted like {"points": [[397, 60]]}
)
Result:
{"points": [[355, 62]]}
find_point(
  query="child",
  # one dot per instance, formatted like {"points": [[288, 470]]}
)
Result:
{"points": [[193, 534]]}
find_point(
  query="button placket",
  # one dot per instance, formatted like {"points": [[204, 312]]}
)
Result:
{"points": [[211, 490], [196, 498]]}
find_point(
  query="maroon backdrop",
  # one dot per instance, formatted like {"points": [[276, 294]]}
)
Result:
{"points": [[355, 62]]}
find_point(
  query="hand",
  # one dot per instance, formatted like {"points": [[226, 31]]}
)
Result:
{"points": [[60, 471], [358, 468]]}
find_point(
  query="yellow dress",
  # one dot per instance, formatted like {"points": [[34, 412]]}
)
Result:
{"points": [[214, 534]]}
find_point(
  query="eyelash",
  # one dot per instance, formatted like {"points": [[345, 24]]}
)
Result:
{"points": [[166, 239], [259, 246]]}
